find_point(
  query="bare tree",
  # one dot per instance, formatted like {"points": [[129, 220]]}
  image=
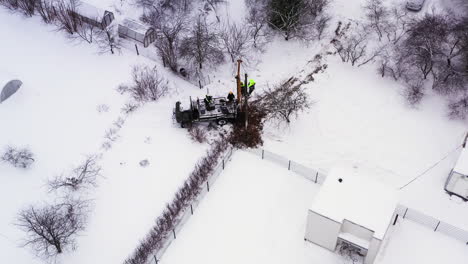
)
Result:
{"points": [[236, 41], [18, 157], [148, 84], [352, 46], [377, 16], [398, 24], [285, 100], [214, 6], [256, 21], [296, 18], [83, 176], [321, 24], [52, 229], [202, 45], [169, 30]]}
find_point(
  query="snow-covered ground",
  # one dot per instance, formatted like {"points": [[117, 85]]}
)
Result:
{"points": [[259, 216], [56, 114], [256, 212]]}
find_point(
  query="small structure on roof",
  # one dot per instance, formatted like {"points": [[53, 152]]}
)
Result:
{"points": [[92, 15], [130, 28], [457, 181], [351, 211], [9, 89]]}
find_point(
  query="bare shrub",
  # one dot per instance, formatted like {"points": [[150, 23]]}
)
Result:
{"points": [[18, 157], [46, 10], [129, 108], [83, 176], [285, 100], [108, 40], [52, 229], [414, 91], [148, 84], [250, 136], [458, 108], [197, 134], [64, 10], [352, 47]]}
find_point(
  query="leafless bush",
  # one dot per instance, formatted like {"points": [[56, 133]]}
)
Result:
{"points": [[236, 41], [46, 10], [148, 84], [107, 40], [9, 4], [197, 134], [82, 177], [352, 47], [398, 24], [64, 10], [129, 108], [18, 157], [250, 136], [202, 45], [285, 100], [414, 91], [52, 229], [458, 108]]}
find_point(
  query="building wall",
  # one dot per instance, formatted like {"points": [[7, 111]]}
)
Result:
{"points": [[356, 230], [372, 251], [321, 230]]}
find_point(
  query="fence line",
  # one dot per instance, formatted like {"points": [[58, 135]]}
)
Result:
{"points": [[190, 209], [315, 175], [318, 176], [434, 224]]}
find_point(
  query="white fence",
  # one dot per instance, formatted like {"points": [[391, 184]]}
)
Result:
{"points": [[189, 210], [316, 175], [430, 222]]}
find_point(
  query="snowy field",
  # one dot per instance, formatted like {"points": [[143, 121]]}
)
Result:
{"points": [[56, 115], [256, 212], [259, 216]]}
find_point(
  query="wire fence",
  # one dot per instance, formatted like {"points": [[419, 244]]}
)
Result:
{"points": [[190, 209], [315, 175], [318, 176], [149, 52], [434, 224]]}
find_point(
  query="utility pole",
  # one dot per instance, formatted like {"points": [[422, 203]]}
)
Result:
{"points": [[246, 107], [239, 93]]}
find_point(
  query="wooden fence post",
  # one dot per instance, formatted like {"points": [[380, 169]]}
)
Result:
{"points": [[396, 218], [155, 259], [208, 186], [191, 209], [289, 165], [405, 213], [316, 177], [437, 226], [173, 232], [263, 153], [223, 164], [136, 47]]}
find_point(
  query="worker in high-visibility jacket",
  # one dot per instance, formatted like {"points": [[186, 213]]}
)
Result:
{"points": [[249, 89]]}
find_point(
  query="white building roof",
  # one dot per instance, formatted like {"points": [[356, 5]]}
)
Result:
{"points": [[462, 163], [135, 26], [358, 198], [90, 11]]}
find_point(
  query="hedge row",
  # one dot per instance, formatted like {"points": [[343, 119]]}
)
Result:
{"points": [[168, 220]]}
